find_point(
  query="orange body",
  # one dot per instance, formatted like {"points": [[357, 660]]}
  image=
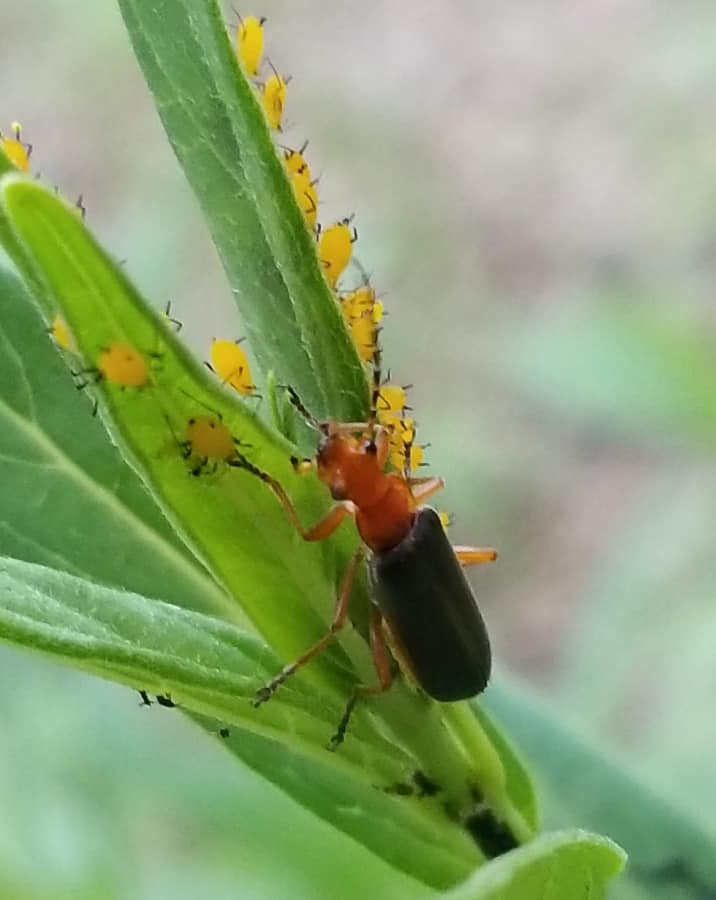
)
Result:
{"points": [[353, 470]]}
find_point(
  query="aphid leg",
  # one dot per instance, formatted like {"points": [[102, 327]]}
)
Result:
{"points": [[166, 700], [322, 529], [473, 556], [340, 614], [91, 376], [178, 325], [381, 661], [145, 698]]}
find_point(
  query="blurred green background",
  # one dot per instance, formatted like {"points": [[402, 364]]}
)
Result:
{"points": [[533, 186]]}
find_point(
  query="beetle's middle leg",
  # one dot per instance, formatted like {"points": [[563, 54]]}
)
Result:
{"points": [[340, 614], [383, 668]]}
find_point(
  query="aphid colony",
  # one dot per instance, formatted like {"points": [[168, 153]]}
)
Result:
{"points": [[207, 439], [361, 309]]}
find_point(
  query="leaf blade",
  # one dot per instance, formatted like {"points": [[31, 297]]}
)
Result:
{"points": [[220, 136], [211, 669]]}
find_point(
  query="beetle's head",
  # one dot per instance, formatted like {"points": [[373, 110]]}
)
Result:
{"points": [[335, 460]]}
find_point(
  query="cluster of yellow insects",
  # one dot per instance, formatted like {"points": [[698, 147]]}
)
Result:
{"points": [[448, 653], [126, 366]]}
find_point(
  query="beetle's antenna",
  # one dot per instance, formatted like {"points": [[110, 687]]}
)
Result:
{"points": [[201, 403], [298, 404]]}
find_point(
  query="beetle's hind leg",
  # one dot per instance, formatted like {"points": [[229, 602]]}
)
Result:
{"points": [[383, 668]]}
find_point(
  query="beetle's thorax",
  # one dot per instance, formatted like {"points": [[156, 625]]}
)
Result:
{"points": [[385, 505]]}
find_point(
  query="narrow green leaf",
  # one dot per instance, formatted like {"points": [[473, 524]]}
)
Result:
{"points": [[562, 866], [229, 518], [211, 668], [221, 138], [68, 499]]}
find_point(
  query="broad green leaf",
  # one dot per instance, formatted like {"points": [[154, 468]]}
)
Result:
{"points": [[68, 499], [233, 523], [231, 519], [565, 865], [211, 668], [221, 138], [672, 852], [629, 369]]}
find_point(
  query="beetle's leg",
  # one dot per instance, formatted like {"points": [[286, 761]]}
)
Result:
{"points": [[381, 661], [322, 529], [348, 428], [340, 613], [473, 556], [425, 487], [298, 405]]}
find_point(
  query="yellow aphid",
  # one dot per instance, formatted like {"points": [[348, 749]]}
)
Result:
{"points": [[15, 149], [61, 333], [273, 100], [123, 365], [356, 303], [335, 248], [295, 161], [306, 196], [392, 400], [401, 432], [362, 313], [445, 519], [231, 364], [207, 438], [250, 43], [363, 332], [398, 457]]}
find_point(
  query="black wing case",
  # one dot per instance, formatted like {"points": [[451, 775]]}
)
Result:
{"points": [[432, 613]]}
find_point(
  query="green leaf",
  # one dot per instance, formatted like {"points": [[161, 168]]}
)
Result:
{"points": [[232, 521], [211, 668], [68, 498], [672, 854], [220, 136], [562, 866], [632, 370]]}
